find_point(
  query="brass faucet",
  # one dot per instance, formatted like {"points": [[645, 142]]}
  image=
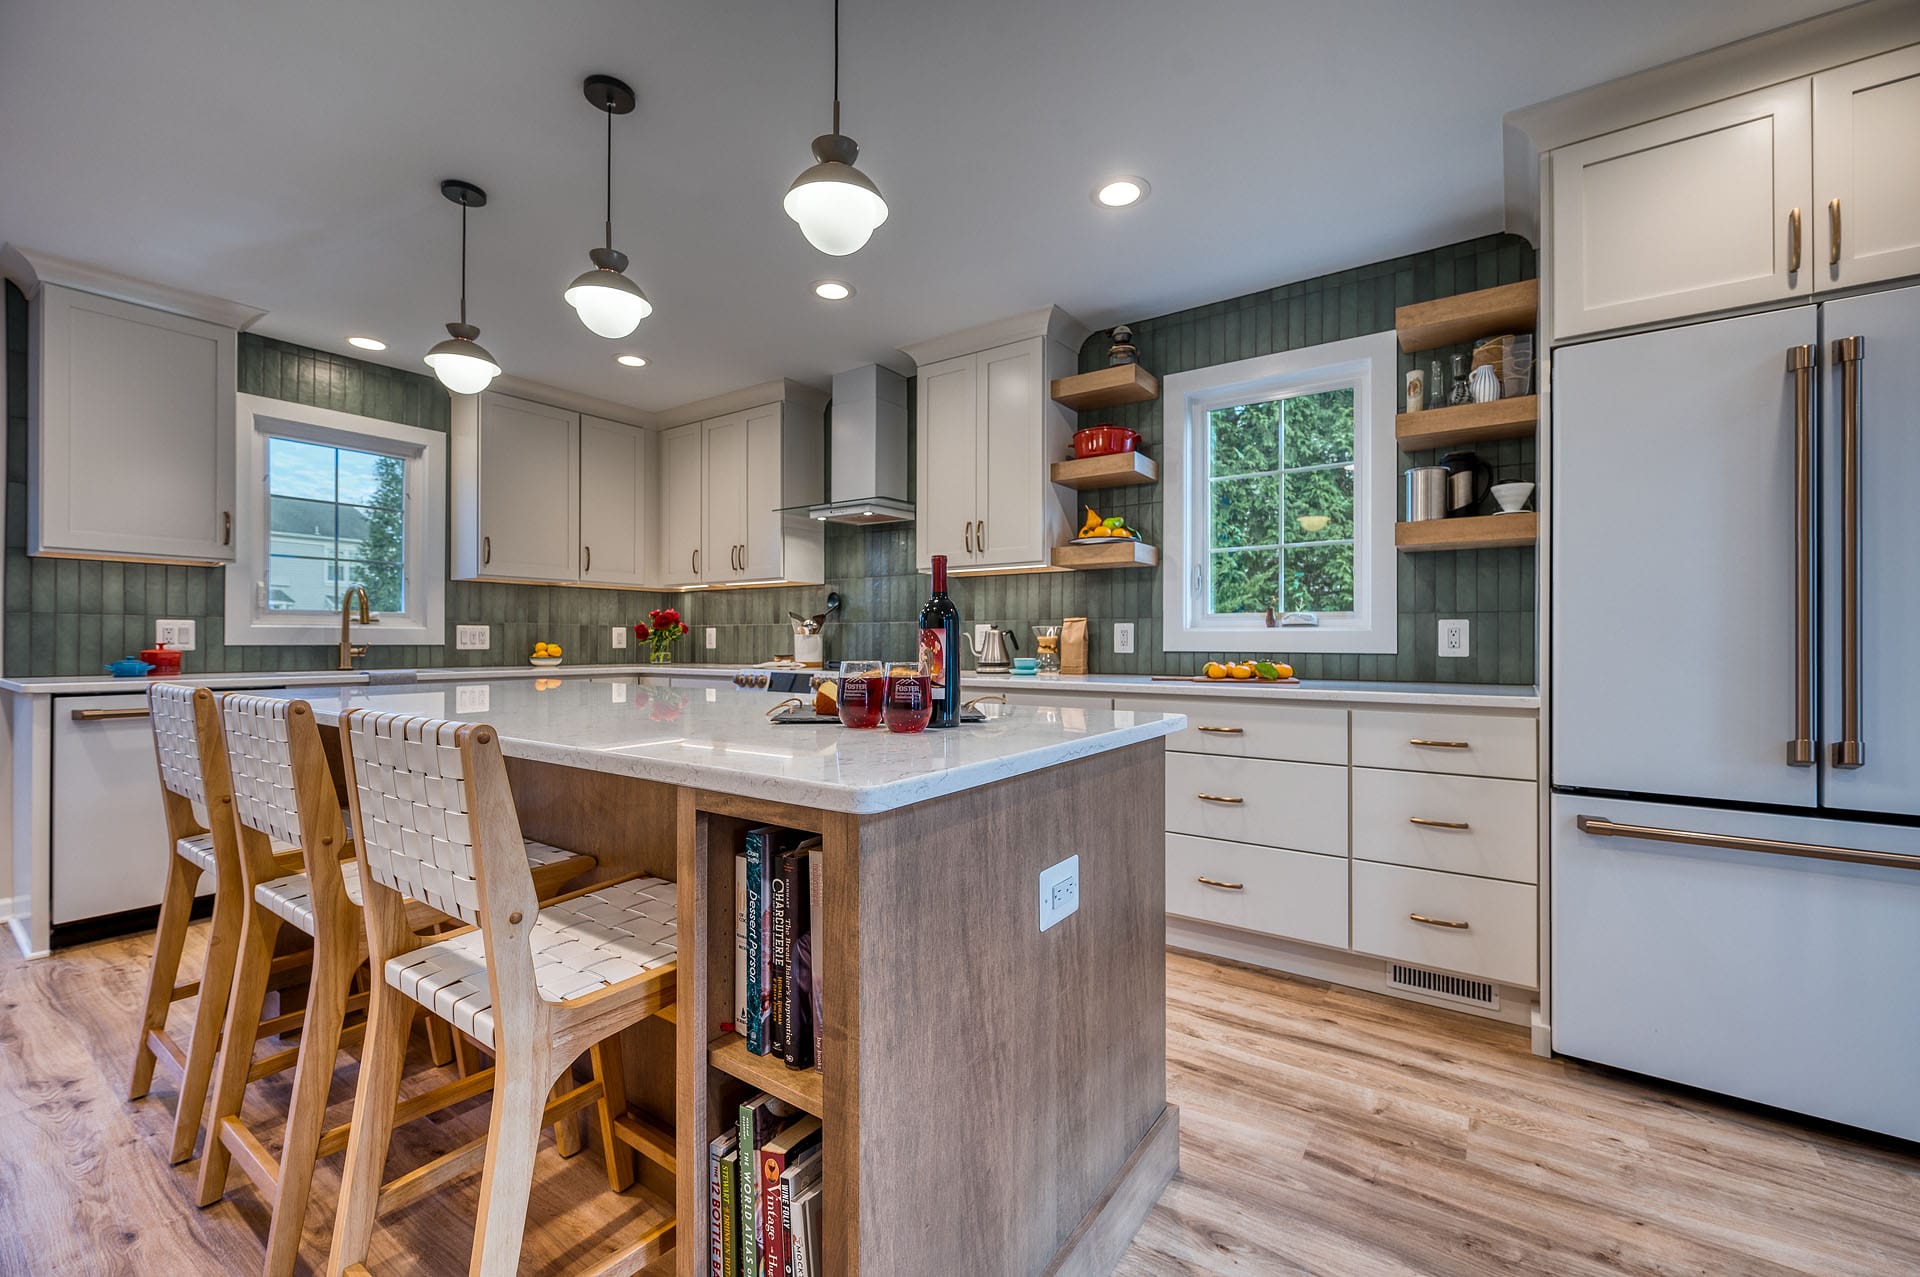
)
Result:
{"points": [[347, 650]]}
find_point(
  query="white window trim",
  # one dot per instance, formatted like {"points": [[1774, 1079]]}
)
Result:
{"points": [[1370, 364], [424, 621]]}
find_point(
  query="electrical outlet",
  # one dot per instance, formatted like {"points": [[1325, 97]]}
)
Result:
{"points": [[713, 637], [619, 693], [472, 638], [1453, 638], [177, 635], [619, 638], [472, 698], [1123, 637], [1059, 891]]}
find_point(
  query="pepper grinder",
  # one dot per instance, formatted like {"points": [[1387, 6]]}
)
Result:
{"points": [[1460, 393]]}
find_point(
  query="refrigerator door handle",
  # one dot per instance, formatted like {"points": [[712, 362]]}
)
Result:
{"points": [[1849, 752], [1801, 751], [1601, 827]]}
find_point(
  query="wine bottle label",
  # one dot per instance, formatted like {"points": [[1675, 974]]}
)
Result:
{"points": [[933, 645]]}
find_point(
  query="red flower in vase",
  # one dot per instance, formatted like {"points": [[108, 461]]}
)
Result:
{"points": [[641, 632]]}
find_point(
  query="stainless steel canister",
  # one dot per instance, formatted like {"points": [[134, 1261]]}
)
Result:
{"points": [[1426, 493]]}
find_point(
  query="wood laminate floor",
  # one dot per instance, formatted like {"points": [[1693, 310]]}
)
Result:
{"points": [[1322, 1131]]}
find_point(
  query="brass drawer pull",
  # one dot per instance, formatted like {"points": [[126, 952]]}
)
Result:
{"points": [[1219, 798], [1227, 886], [1793, 242], [1439, 744], [1223, 731], [1437, 824], [991, 698], [97, 715], [1833, 226], [1437, 922]]}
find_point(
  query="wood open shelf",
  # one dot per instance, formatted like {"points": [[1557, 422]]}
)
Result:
{"points": [[1118, 470], [802, 1088], [1481, 532], [1515, 418], [1447, 321], [1119, 552], [1106, 387]]}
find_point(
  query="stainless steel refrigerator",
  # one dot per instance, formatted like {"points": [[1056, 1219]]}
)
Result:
{"points": [[1735, 704]]}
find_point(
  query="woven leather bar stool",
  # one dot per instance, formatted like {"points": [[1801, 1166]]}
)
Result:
{"points": [[535, 984]]}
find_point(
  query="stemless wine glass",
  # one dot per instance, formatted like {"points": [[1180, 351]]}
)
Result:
{"points": [[909, 695], [863, 686]]}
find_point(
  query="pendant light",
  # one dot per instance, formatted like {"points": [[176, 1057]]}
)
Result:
{"points": [[605, 299], [461, 363], [836, 204]]}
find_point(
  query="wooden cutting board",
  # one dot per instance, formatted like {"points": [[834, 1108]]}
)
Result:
{"points": [[1226, 682]]}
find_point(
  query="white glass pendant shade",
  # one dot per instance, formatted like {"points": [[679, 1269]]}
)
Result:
{"points": [[461, 363], [607, 302], [836, 205]]}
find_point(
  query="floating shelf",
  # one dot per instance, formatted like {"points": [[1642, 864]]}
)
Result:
{"points": [[1515, 418], [1106, 387], [802, 1088], [1447, 321], [1480, 532], [1121, 552], [1118, 470]]}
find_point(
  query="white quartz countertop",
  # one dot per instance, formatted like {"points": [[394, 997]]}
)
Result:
{"points": [[106, 684], [724, 742]]}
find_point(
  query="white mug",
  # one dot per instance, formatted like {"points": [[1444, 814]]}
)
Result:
{"points": [[1416, 390]]}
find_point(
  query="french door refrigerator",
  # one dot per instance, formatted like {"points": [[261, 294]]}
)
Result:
{"points": [[1735, 833]]}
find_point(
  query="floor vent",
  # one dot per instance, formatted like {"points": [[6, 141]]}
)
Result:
{"points": [[1454, 988]]}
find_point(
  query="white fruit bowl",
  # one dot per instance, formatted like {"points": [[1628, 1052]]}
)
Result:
{"points": [[545, 662]]}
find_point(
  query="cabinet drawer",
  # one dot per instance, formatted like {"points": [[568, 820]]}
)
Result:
{"points": [[1237, 729], [1497, 942], [1457, 744], [1302, 806], [1461, 824], [1281, 893]]}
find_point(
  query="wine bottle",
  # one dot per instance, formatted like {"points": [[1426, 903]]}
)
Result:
{"points": [[940, 643]]}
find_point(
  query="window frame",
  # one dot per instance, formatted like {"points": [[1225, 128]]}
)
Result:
{"points": [[424, 454], [1370, 365]]}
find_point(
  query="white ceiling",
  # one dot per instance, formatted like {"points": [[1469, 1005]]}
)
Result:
{"points": [[287, 155]]}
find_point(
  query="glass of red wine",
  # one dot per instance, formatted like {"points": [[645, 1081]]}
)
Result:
{"points": [[863, 686], [909, 695]]}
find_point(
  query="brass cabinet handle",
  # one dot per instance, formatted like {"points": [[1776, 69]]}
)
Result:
{"points": [[1439, 744], [980, 535], [486, 549], [1800, 750], [97, 715], [991, 697], [1223, 731], [1437, 824], [968, 533], [588, 566], [1833, 228], [1448, 923], [1601, 827], [1220, 798], [226, 516], [696, 563], [1848, 752], [1793, 242], [1224, 886]]}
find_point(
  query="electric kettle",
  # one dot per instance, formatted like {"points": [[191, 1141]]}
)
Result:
{"points": [[1469, 479]]}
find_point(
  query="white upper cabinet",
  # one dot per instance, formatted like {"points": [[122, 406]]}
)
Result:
{"points": [[131, 442], [729, 488], [988, 431], [516, 490], [726, 479], [1866, 170], [683, 489], [616, 468], [1700, 211]]}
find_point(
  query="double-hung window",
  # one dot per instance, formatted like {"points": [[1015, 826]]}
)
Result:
{"points": [[330, 502], [1280, 502]]}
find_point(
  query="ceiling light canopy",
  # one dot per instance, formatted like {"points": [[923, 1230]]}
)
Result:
{"points": [[607, 302], [1119, 192], [367, 343], [461, 363], [832, 290], [836, 205]]}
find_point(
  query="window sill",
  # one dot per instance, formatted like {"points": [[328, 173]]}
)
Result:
{"points": [[1302, 639], [388, 632]]}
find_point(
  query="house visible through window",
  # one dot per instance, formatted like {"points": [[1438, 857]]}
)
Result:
{"points": [[337, 519]]}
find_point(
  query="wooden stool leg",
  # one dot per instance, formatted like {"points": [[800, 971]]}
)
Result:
{"points": [[521, 1077], [209, 1013], [566, 1131], [390, 1019], [258, 933], [333, 974], [439, 1042], [610, 1071], [176, 910]]}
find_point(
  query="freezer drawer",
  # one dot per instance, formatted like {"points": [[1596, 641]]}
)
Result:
{"points": [[109, 837], [1778, 979]]}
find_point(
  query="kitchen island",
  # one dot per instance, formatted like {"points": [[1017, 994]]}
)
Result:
{"points": [[993, 1096]]}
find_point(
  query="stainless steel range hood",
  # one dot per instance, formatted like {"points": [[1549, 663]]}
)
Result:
{"points": [[868, 482]]}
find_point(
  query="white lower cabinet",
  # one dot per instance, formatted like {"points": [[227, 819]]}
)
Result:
{"points": [[1476, 926], [109, 837], [1299, 806], [1457, 824], [1280, 893]]}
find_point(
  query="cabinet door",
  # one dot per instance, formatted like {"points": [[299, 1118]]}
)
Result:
{"points": [[683, 491], [1866, 169], [529, 490], [726, 480], [131, 450], [949, 460], [1685, 215], [109, 838], [760, 537], [1012, 467], [613, 503]]}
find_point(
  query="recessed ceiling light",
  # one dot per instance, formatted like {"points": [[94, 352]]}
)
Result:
{"points": [[832, 290], [1121, 191], [367, 343], [632, 361]]}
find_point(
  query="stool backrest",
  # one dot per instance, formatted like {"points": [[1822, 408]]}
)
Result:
{"points": [[176, 737], [283, 790]]}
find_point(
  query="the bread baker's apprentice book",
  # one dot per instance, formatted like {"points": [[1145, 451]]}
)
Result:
{"points": [[794, 1041], [759, 868], [717, 1150], [787, 1146]]}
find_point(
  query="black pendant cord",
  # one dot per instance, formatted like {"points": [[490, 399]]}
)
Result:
{"points": [[836, 66], [610, 179], [463, 265]]}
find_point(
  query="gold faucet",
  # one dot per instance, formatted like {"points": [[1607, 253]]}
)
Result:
{"points": [[347, 650]]}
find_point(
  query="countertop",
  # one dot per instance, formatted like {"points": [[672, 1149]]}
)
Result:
{"points": [[679, 736]]}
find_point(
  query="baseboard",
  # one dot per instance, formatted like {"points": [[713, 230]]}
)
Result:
{"points": [[1542, 1034], [23, 938], [1104, 1235], [12, 907]]}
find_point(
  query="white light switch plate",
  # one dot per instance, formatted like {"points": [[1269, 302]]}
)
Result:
{"points": [[1453, 638], [713, 638], [1123, 637], [619, 638], [472, 638], [1059, 891], [177, 635]]}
